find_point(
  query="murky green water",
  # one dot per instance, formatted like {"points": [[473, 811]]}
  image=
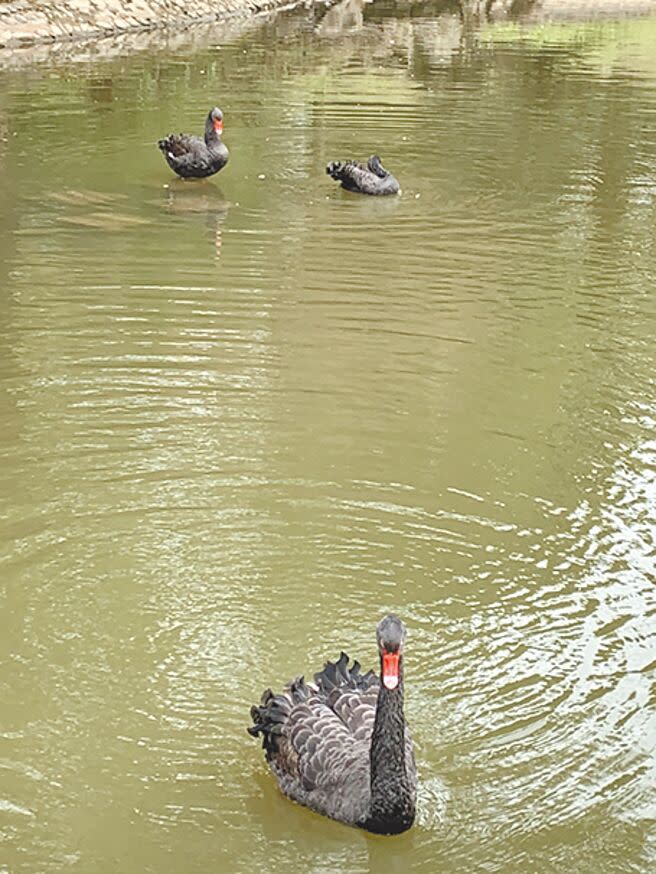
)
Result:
{"points": [[242, 419]]}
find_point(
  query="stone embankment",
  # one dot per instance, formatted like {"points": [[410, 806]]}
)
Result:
{"points": [[28, 22]]}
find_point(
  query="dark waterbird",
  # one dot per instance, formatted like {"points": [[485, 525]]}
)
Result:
{"points": [[372, 179], [340, 745], [194, 158]]}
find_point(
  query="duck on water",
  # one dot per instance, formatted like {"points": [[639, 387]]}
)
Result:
{"points": [[195, 158], [341, 745]]}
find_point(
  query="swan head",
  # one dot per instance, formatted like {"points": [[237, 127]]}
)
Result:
{"points": [[391, 637], [215, 120]]}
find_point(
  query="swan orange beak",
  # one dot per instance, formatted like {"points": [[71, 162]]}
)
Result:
{"points": [[391, 669], [218, 125]]}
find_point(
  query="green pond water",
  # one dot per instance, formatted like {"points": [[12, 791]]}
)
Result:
{"points": [[242, 419]]}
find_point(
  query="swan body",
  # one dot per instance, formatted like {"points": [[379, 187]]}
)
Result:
{"points": [[195, 158], [340, 745], [370, 179]]}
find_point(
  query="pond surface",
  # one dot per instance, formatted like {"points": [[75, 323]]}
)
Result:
{"points": [[242, 419]]}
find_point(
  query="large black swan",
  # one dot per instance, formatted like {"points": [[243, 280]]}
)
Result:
{"points": [[372, 179], [341, 745], [193, 157]]}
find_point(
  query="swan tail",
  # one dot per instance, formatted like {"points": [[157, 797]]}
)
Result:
{"points": [[336, 170], [273, 712]]}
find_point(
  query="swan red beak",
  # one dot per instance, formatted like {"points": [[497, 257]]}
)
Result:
{"points": [[218, 125], [391, 669]]}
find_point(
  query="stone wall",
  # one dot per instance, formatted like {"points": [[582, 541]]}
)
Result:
{"points": [[27, 22]]}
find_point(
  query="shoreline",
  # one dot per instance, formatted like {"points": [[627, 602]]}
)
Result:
{"points": [[35, 28], [31, 23]]}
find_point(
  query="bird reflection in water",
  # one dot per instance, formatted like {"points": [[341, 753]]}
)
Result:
{"points": [[200, 199]]}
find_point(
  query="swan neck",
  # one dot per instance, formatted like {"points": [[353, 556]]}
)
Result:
{"points": [[392, 804]]}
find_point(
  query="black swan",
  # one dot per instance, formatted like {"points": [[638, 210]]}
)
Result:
{"points": [[372, 179], [193, 157], [341, 745]]}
